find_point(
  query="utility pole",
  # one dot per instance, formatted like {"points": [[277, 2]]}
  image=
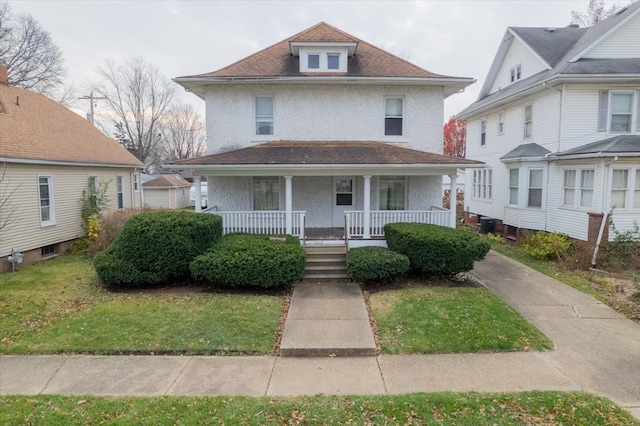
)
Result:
{"points": [[91, 98]]}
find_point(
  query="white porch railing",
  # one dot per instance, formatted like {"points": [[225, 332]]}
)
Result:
{"points": [[379, 218], [261, 222]]}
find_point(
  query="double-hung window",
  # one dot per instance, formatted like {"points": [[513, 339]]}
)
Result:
{"points": [[264, 115], [587, 181], [501, 123], [569, 188], [136, 182], [45, 195], [636, 192], [535, 188], [392, 193], [528, 121], [483, 132], [577, 187], [393, 116], [120, 191], [266, 193], [621, 112], [333, 61], [513, 186], [482, 184], [313, 61], [619, 188]]}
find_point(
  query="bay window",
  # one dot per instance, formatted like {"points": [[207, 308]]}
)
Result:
{"points": [[535, 188]]}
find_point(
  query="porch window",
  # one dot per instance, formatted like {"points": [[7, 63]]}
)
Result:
{"points": [[392, 192], [393, 112], [266, 193], [535, 188], [45, 194], [264, 115], [513, 186], [619, 187], [587, 180]]}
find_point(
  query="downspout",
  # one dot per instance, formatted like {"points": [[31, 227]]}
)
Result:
{"points": [[558, 149], [606, 214]]}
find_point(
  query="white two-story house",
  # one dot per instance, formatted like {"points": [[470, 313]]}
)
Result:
{"points": [[324, 131], [557, 123]]}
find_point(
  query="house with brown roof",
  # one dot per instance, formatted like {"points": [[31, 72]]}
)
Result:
{"points": [[324, 130], [167, 192], [49, 156]]}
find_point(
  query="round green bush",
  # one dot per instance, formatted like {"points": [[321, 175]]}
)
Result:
{"points": [[375, 264], [436, 249], [251, 260], [154, 248]]}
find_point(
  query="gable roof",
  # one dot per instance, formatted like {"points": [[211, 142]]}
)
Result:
{"points": [[277, 62], [34, 128], [526, 151], [166, 181], [561, 49], [623, 145]]}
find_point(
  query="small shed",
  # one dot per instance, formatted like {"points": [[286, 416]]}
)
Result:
{"points": [[166, 192]]}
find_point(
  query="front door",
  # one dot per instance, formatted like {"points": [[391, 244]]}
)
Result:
{"points": [[344, 198]]}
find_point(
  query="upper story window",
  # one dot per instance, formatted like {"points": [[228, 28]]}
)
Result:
{"points": [[393, 116], [313, 61], [483, 132], [621, 112], [500, 123], [516, 73], [528, 121], [333, 61], [328, 61], [264, 115], [45, 194]]}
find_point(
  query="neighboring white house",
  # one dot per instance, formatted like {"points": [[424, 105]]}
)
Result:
{"points": [[48, 157], [557, 123], [321, 128], [166, 192]]}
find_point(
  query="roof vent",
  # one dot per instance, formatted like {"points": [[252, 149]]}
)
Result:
{"points": [[552, 30], [621, 11], [573, 25]]}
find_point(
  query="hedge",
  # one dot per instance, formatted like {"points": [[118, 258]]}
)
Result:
{"points": [[375, 264], [154, 248], [436, 249], [251, 260]]}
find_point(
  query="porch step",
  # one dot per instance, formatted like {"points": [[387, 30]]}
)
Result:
{"points": [[326, 264]]}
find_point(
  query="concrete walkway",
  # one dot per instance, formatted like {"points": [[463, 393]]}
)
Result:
{"points": [[597, 350]]}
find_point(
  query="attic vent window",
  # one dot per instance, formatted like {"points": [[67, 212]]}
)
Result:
{"points": [[516, 73]]}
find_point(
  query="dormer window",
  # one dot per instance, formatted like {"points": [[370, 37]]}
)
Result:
{"points": [[313, 61], [319, 57], [333, 61]]}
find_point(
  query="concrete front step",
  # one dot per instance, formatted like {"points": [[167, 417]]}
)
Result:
{"points": [[326, 264]]}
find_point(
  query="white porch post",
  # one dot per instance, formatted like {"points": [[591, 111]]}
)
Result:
{"points": [[288, 204], [198, 193], [453, 200], [367, 208]]}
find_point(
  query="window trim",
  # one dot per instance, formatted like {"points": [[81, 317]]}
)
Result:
{"points": [[401, 117], [610, 113], [540, 188], [528, 125], [265, 118], [52, 211], [393, 177]]}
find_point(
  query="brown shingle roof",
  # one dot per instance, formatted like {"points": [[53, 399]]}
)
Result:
{"points": [[277, 61], [33, 127], [325, 152], [167, 181]]}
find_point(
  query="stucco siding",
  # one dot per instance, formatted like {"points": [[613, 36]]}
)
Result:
{"points": [[623, 43], [229, 193], [314, 194], [26, 231], [181, 197], [323, 112]]}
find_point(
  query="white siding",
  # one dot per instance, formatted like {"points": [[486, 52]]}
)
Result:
{"points": [[157, 198], [623, 43], [323, 112], [25, 231], [518, 54], [181, 201]]}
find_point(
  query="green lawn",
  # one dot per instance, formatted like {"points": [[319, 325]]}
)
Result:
{"points": [[446, 408], [55, 307], [451, 320]]}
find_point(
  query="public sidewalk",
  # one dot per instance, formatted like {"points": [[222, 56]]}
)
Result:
{"points": [[597, 350]]}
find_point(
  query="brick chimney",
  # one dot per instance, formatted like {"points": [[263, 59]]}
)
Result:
{"points": [[3, 75]]}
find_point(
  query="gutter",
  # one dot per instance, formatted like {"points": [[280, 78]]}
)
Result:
{"points": [[68, 163]]}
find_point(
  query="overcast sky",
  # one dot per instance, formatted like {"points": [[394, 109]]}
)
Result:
{"points": [[457, 38]]}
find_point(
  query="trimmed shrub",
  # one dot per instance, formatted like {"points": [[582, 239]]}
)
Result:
{"points": [[156, 247], [251, 260], [436, 249], [375, 264], [547, 245]]}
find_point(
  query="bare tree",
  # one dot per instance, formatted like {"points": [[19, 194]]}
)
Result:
{"points": [[137, 97], [596, 12], [33, 60], [8, 209], [183, 134]]}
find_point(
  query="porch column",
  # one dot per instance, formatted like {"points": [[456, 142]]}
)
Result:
{"points": [[288, 204], [453, 200], [367, 208], [198, 193]]}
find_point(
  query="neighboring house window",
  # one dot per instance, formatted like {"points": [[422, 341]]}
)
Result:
{"points": [[535, 188], [501, 123], [528, 121], [392, 192], [95, 187], [313, 61], [569, 188], [587, 181], [136, 182], [264, 115], [333, 61], [393, 112], [266, 193], [621, 112], [482, 185], [619, 188], [45, 194], [513, 186], [120, 191], [184, 193], [483, 132]]}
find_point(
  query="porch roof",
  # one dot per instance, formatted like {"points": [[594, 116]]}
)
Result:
{"points": [[326, 157]]}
